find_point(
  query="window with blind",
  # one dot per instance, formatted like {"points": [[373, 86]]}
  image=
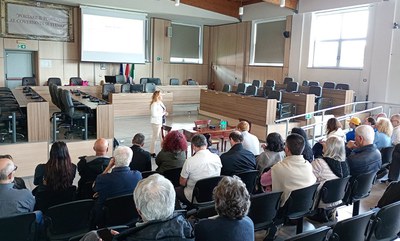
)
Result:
{"points": [[268, 43], [186, 44], [339, 38]]}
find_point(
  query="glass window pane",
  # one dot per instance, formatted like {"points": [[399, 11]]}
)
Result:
{"points": [[325, 54], [355, 24], [269, 42], [352, 54], [328, 27]]}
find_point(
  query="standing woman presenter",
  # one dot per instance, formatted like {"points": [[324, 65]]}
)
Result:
{"points": [[158, 114]]}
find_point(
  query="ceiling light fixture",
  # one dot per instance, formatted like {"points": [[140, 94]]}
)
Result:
{"points": [[177, 2], [282, 3]]}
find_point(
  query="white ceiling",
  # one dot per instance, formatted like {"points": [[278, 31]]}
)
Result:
{"points": [[166, 9]]}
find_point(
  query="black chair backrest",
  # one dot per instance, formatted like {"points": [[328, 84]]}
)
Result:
{"points": [[360, 186], [342, 87], [137, 88], [126, 88], [148, 173], [251, 90], [28, 81], [20, 227], [329, 85], [386, 223], [174, 81], [75, 81], [313, 83], [191, 82], [287, 80], [318, 234], [53, 94], [106, 90], [54, 80], [120, 79], [143, 81], [256, 83], [270, 83], [249, 178], [300, 201], [353, 229], [67, 104], [226, 88], [70, 218], [156, 81], [60, 101], [333, 190], [305, 83], [292, 87], [263, 209], [120, 210], [277, 95], [241, 88], [316, 90], [173, 175], [150, 88], [203, 189], [386, 154], [267, 91], [47, 198]]}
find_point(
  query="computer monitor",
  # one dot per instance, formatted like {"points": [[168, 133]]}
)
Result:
{"points": [[110, 79]]}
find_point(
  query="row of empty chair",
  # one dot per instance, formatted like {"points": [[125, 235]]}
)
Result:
{"points": [[10, 115]]}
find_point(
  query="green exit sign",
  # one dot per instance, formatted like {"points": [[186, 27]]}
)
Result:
{"points": [[21, 46], [308, 116]]}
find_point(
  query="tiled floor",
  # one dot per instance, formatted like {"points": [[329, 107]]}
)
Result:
{"points": [[126, 128]]}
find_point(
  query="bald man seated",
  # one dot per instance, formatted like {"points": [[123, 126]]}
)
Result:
{"points": [[89, 167], [12, 201]]}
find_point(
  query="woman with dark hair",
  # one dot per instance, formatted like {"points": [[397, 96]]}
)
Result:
{"points": [[232, 203], [54, 179], [173, 152], [334, 128], [307, 152], [273, 152]]}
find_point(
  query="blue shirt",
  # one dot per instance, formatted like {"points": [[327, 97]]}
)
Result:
{"points": [[382, 140], [15, 201], [351, 135], [364, 160]]}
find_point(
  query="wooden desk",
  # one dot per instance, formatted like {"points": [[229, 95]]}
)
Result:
{"points": [[232, 107], [214, 133], [304, 102], [137, 104], [183, 94], [37, 111]]}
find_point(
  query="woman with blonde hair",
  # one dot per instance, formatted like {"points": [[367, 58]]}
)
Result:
{"points": [[158, 114], [383, 134]]}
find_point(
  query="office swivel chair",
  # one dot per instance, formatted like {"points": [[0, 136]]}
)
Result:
{"points": [[126, 88], [143, 81], [287, 80], [292, 87], [226, 88], [313, 83], [107, 89], [149, 88], [283, 109], [156, 81], [120, 79], [28, 81], [271, 83], [136, 88], [256, 83], [75, 81], [251, 90], [191, 82], [329, 85], [174, 81], [342, 87], [241, 88], [54, 80]]}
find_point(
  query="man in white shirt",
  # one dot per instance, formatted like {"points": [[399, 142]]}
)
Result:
{"points": [[250, 141], [395, 120], [293, 172], [202, 164]]}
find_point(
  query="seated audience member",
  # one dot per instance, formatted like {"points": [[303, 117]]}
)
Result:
{"points": [[307, 152], [353, 123], [154, 198], [237, 159], [141, 159], [250, 142], [370, 121], [395, 120], [232, 203], [56, 177], [273, 152], [364, 157], [12, 201], [173, 152], [333, 128], [293, 172], [380, 115], [209, 144], [202, 164], [89, 167], [121, 180], [331, 166], [383, 133]]}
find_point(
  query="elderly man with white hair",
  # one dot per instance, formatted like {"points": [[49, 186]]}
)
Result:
{"points": [[121, 180], [154, 198], [364, 157]]}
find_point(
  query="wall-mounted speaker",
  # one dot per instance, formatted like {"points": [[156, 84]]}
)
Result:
{"points": [[286, 34]]}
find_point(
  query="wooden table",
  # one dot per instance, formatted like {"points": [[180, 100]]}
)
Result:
{"points": [[215, 133]]}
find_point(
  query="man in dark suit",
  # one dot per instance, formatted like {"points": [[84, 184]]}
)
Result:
{"points": [[237, 159], [141, 159]]}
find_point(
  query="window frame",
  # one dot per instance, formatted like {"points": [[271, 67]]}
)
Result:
{"points": [[314, 40], [178, 60], [253, 42]]}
